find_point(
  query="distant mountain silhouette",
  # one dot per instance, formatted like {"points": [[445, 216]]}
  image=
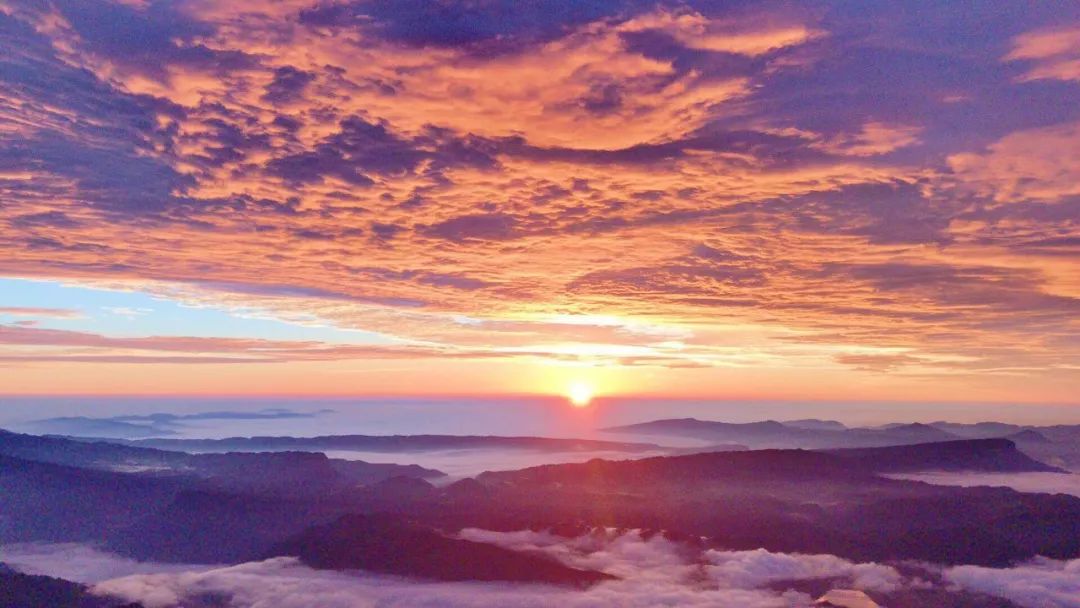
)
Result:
{"points": [[390, 443], [288, 472], [161, 424], [987, 455], [815, 424], [1028, 437], [706, 429], [96, 427], [797, 434], [978, 430], [89, 453], [773, 465], [391, 545], [296, 472], [916, 430], [1058, 445], [1062, 448]]}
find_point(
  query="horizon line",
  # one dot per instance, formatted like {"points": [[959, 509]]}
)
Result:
{"points": [[537, 396]]}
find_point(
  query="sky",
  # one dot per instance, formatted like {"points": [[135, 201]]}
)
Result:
{"points": [[703, 200]]}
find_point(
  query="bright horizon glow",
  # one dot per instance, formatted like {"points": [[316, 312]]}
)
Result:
{"points": [[535, 413], [580, 394]]}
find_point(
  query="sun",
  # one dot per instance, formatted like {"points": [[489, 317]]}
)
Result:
{"points": [[580, 394]]}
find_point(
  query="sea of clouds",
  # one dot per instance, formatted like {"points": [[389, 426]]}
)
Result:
{"points": [[653, 571], [1041, 583], [82, 563]]}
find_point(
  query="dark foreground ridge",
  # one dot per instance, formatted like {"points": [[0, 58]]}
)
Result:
{"points": [[18, 590], [391, 545], [800, 501]]}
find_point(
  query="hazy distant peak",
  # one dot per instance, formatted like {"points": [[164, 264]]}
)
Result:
{"points": [[922, 429], [1028, 436], [815, 424], [990, 455], [978, 429]]}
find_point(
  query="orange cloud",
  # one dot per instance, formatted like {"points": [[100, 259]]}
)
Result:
{"points": [[744, 37], [874, 138], [670, 189], [1054, 53], [48, 313], [1039, 164]]}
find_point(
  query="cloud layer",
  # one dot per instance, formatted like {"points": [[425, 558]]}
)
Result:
{"points": [[653, 571], [1042, 583], [857, 189]]}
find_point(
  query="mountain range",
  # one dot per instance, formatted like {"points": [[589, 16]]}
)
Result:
{"points": [[293, 472], [389, 444], [230, 507], [1058, 445]]}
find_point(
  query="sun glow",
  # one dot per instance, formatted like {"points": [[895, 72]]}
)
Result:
{"points": [[580, 394]]}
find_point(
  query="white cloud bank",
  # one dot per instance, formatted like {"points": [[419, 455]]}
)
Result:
{"points": [[654, 571], [81, 563], [284, 583], [629, 555], [1041, 583]]}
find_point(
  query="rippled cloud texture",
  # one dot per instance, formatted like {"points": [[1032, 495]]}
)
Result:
{"points": [[829, 189]]}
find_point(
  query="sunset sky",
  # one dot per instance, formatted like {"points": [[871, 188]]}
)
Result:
{"points": [[708, 200]]}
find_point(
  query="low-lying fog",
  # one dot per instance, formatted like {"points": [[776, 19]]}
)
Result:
{"points": [[467, 463], [655, 571]]}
